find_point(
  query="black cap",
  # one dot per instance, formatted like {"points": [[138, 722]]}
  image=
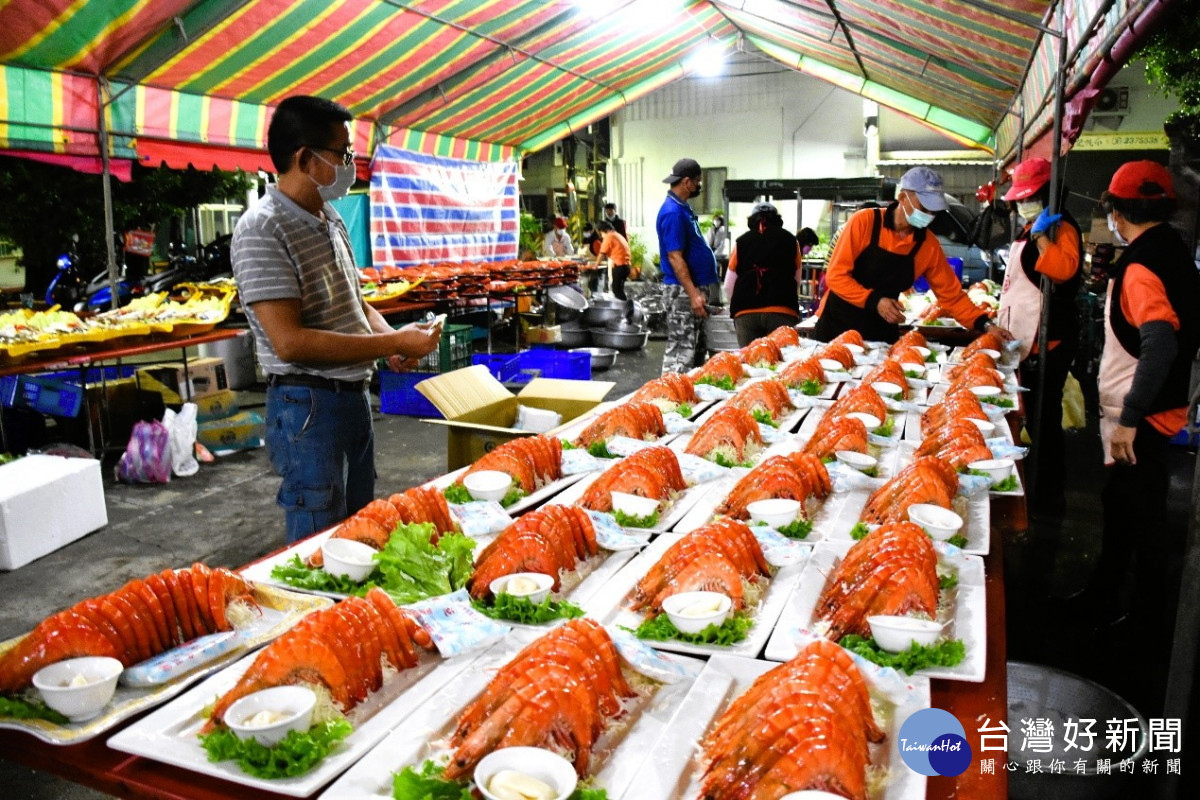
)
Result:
{"points": [[684, 168]]}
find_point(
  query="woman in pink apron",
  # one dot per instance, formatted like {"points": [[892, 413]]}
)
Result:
{"points": [[1049, 245], [1152, 332]]}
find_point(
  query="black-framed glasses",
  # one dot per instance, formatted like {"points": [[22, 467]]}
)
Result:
{"points": [[347, 154]]}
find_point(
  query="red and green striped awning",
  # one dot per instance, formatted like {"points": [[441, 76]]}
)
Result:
{"points": [[493, 77]]}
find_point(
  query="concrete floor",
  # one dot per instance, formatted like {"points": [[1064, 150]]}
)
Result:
{"points": [[226, 516]]}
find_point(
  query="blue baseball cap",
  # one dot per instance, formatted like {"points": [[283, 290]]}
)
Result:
{"points": [[927, 183]]}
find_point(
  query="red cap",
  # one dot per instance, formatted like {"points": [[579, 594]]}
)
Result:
{"points": [[1142, 180], [1028, 177], [560, 223]]}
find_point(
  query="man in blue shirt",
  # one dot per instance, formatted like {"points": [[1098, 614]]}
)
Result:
{"points": [[689, 270]]}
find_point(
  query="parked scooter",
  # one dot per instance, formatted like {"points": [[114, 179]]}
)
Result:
{"points": [[67, 288]]}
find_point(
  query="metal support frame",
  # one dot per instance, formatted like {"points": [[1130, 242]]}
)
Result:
{"points": [[106, 183]]}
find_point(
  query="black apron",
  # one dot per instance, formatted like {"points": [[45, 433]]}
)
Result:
{"points": [[881, 271]]}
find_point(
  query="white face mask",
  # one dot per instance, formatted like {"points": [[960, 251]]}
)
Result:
{"points": [[1029, 209], [344, 175], [1112, 226]]}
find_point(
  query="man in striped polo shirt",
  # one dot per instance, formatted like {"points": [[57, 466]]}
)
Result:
{"points": [[315, 336]]}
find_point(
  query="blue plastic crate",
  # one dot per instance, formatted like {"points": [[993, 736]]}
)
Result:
{"points": [[42, 394], [548, 363], [398, 394], [503, 366]]}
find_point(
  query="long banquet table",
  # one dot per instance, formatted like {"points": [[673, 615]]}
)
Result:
{"points": [[93, 764]]}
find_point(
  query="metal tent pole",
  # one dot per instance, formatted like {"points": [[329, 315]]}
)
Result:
{"points": [[1060, 88], [106, 183]]}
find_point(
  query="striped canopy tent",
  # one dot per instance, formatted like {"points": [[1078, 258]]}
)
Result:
{"points": [[194, 81]]}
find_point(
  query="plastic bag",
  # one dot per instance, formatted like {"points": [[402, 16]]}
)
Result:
{"points": [[1073, 415], [182, 427], [147, 457]]}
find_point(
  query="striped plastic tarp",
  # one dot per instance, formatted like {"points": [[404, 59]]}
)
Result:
{"points": [[426, 209]]}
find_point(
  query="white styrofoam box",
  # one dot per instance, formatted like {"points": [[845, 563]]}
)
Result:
{"points": [[47, 502]]}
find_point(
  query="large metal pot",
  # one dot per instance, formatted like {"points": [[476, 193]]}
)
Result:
{"points": [[621, 341], [575, 337], [602, 357], [569, 304], [720, 333], [623, 325], [600, 316]]}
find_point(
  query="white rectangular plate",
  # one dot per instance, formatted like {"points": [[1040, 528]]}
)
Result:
{"points": [[673, 769], [618, 759], [531, 500], [976, 513], [280, 611], [666, 520], [169, 734], [611, 604], [964, 610]]}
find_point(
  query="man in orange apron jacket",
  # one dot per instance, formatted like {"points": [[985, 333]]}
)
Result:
{"points": [[880, 253], [1151, 333], [1033, 254]]}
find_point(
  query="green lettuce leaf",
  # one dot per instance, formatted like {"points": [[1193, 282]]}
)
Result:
{"points": [[946, 653], [457, 493], [724, 382], [295, 572], [888, 426], [599, 449], [958, 540], [19, 708], [764, 416], [523, 610], [684, 410], [948, 581], [723, 461], [797, 529], [294, 756], [427, 784], [859, 530], [730, 632], [811, 387], [630, 521], [514, 494]]}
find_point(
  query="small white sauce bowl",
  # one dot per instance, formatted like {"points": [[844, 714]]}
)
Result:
{"points": [[348, 558], [909, 366], [986, 427], [940, 523], [674, 605], [549, 768], [543, 581], [869, 421], [776, 511], [831, 365], [993, 354], [896, 634], [488, 484], [296, 702], [855, 349], [985, 392], [997, 469], [888, 389], [923, 350], [634, 505], [79, 703], [811, 794], [856, 460]]}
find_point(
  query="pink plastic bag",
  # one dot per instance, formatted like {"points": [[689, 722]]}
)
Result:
{"points": [[147, 457]]}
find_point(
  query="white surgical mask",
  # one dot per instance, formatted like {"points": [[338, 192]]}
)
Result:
{"points": [[1029, 209], [1112, 226], [344, 175], [918, 217]]}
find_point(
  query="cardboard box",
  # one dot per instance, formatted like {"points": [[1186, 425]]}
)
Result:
{"points": [[480, 412], [111, 411], [47, 502], [204, 376], [543, 334], [242, 431], [216, 406]]}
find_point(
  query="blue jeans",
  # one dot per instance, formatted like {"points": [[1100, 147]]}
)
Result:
{"points": [[321, 442]]}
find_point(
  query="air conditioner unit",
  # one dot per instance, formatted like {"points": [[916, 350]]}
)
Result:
{"points": [[1112, 102]]}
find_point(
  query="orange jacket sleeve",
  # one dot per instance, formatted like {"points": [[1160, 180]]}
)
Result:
{"points": [[853, 239], [1061, 260], [732, 265], [1144, 299], [931, 262]]}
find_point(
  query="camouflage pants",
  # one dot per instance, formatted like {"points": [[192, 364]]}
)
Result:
{"points": [[686, 344]]}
